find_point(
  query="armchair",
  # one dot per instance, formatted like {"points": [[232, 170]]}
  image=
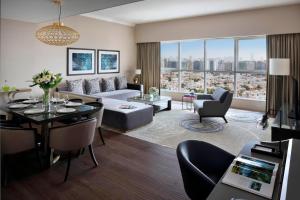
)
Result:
{"points": [[214, 105]]}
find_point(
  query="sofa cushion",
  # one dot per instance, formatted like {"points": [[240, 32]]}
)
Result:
{"points": [[118, 94], [108, 84], [220, 94], [75, 86], [121, 82], [92, 86]]}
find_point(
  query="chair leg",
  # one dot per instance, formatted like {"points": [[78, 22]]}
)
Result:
{"points": [[100, 134], [68, 166], [92, 155], [200, 119], [225, 119]]}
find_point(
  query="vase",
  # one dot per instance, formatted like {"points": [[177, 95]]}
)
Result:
{"points": [[46, 100]]}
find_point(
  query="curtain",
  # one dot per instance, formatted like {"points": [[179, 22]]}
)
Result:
{"points": [[280, 88], [148, 59]]}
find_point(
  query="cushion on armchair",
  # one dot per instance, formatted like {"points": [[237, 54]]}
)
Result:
{"points": [[220, 94]]}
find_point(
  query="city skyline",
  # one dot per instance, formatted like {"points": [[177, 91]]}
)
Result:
{"points": [[216, 48]]}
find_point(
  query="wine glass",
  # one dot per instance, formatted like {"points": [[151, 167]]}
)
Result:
{"points": [[66, 99]]}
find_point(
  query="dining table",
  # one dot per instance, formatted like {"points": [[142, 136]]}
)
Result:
{"points": [[47, 118]]}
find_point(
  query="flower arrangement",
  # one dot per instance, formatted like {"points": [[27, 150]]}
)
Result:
{"points": [[46, 80], [153, 91]]}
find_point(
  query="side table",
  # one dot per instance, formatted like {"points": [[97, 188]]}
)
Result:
{"points": [[188, 99]]}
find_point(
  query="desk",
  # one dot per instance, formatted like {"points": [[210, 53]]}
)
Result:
{"points": [[223, 191]]}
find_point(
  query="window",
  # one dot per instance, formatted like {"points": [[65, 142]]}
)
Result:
{"points": [[236, 64], [169, 66], [192, 66], [219, 64], [251, 68]]}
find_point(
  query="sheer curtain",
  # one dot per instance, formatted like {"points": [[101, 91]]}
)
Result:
{"points": [[148, 59], [280, 89]]}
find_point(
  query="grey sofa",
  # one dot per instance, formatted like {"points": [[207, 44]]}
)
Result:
{"points": [[214, 105], [114, 116]]}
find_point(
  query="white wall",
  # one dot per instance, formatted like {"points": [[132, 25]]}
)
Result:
{"points": [[266, 21], [22, 55]]}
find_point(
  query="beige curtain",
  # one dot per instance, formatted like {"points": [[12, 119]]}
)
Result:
{"points": [[280, 88], [148, 59]]}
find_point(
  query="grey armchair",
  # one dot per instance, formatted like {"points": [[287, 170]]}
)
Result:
{"points": [[214, 105]]}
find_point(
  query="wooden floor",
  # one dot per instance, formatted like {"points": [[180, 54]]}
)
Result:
{"points": [[128, 169]]}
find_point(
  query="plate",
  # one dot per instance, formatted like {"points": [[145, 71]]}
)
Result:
{"points": [[30, 101], [66, 110], [20, 105], [34, 111], [73, 104], [56, 100]]}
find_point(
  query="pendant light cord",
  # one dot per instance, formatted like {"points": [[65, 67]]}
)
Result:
{"points": [[59, 12]]}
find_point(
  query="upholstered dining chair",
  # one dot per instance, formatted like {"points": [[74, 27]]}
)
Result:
{"points": [[98, 115], [16, 140], [73, 137], [202, 165]]}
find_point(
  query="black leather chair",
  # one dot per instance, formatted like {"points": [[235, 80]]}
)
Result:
{"points": [[202, 165]]}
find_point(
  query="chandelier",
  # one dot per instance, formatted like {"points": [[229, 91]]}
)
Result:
{"points": [[57, 34]]}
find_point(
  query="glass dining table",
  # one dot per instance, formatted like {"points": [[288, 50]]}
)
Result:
{"points": [[45, 119]]}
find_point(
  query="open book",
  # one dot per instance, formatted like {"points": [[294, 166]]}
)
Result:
{"points": [[253, 175]]}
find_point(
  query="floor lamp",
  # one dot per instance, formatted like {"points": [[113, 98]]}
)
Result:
{"points": [[277, 67]]}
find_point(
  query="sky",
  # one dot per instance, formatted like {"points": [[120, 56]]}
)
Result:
{"points": [[248, 49]]}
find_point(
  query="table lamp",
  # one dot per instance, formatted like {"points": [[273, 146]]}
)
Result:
{"points": [[138, 73]]}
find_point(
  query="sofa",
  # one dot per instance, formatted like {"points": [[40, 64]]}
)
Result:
{"points": [[213, 105], [113, 92]]}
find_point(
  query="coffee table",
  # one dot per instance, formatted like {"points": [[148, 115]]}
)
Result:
{"points": [[159, 103]]}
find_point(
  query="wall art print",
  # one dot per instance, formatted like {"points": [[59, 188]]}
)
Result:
{"points": [[108, 61], [80, 61]]}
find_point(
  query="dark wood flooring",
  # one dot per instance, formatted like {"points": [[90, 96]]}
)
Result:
{"points": [[128, 168]]}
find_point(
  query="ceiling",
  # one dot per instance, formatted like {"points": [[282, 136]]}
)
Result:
{"points": [[37, 11], [159, 10]]}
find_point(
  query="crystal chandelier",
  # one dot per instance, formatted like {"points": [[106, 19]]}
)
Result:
{"points": [[57, 34]]}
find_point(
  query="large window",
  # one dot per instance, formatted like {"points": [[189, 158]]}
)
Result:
{"points": [[237, 64], [251, 68]]}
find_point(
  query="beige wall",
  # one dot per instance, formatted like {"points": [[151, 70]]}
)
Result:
{"points": [[245, 23], [22, 55]]}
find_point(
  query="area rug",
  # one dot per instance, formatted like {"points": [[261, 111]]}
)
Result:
{"points": [[169, 128]]}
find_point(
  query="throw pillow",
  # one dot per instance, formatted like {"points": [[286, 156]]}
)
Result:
{"points": [[121, 82], [223, 97], [92, 86], [108, 84], [75, 86]]}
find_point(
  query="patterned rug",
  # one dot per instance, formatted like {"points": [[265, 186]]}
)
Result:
{"points": [[206, 126], [243, 115], [169, 128]]}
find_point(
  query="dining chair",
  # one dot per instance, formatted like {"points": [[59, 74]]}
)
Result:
{"points": [[73, 137], [202, 165], [14, 140], [98, 115]]}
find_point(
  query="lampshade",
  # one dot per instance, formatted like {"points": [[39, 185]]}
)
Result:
{"points": [[279, 66], [138, 71], [57, 34]]}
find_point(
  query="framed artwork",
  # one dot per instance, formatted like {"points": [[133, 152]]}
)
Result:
{"points": [[108, 61], [80, 61]]}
